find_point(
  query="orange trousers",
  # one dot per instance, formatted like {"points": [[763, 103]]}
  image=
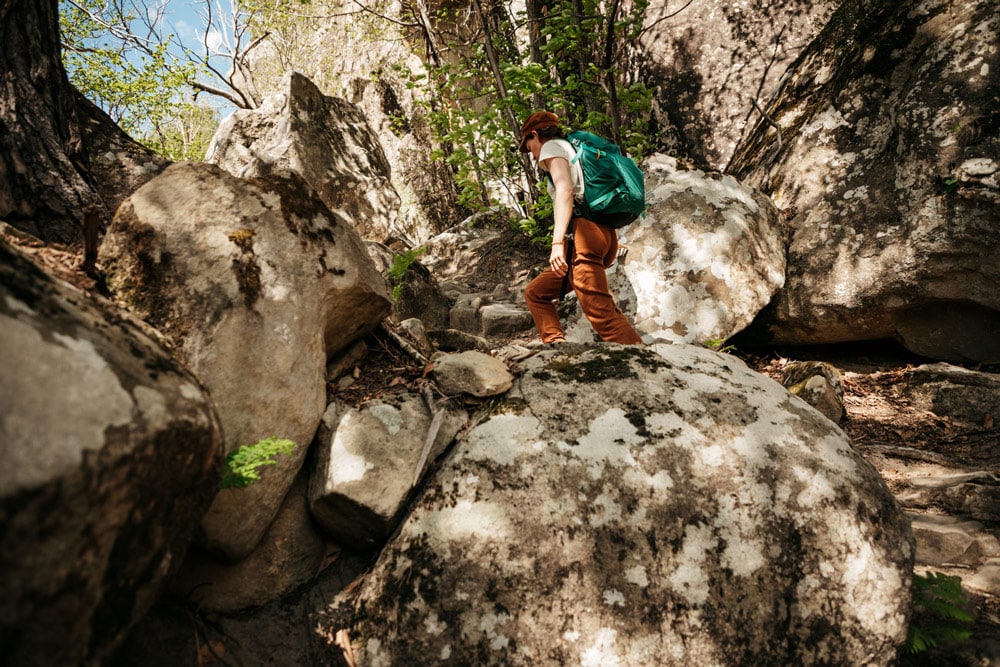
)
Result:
{"points": [[594, 250]]}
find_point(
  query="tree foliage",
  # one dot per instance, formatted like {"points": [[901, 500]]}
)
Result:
{"points": [[115, 53], [577, 63], [486, 68], [126, 57]]}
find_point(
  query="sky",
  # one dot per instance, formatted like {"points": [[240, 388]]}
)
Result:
{"points": [[186, 20], [185, 17]]}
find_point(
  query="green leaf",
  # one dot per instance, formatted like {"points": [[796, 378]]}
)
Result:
{"points": [[938, 616], [242, 466]]}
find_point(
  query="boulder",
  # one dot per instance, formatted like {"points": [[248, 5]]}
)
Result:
{"points": [[630, 505], [118, 165], [472, 372], [326, 140], [704, 261], [505, 319], [369, 458], [374, 65], [416, 292], [256, 284], [888, 168], [111, 456], [290, 555]]}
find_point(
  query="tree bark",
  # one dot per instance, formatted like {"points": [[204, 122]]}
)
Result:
{"points": [[47, 130]]}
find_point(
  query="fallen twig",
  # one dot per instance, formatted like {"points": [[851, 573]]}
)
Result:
{"points": [[404, 344]]}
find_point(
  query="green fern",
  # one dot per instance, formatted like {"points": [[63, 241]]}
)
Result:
{"points": [[243, 464], [400, 263], [938, 617], [719, 345]]}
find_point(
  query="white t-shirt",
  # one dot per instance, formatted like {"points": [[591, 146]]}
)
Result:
{"points": [[564, 149]]}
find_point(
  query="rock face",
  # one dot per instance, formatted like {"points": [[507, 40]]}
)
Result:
{"points": [[256, 284], [373, 65], [704, 261], [892, 179], [591, 521], [111, 453], [326, 140], [707, 60]]}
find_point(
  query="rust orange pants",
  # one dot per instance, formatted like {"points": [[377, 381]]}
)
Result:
{"points": [[594, 250]]}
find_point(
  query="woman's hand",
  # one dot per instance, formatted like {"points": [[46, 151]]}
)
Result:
{"points": [[557, 259]]}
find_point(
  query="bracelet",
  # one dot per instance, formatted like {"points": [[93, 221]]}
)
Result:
{"points": [[557, 243]]}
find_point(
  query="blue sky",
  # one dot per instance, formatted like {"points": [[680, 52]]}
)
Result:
{"points": [[184, 16], [186, 20]]}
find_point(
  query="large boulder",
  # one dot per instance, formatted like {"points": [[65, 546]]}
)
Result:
{"points": [[703, 262], [708, 61], [326, 140], [111, 455], [118, 165], [374, 66], [888, 166], [657, 505], [256, 284]]}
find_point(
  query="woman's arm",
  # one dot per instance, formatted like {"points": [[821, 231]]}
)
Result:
{"points": [[562, 211]]}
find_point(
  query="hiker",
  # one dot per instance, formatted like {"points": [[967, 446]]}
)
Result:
{"points": [[592, 247]]}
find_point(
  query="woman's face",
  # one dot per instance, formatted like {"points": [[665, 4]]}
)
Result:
{"points": [[534, 145]]}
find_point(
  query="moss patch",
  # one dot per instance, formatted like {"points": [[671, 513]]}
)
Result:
{"points": [[604, 364]]}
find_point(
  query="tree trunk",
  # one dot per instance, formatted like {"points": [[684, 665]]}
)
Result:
{"points": [[47, 133]]}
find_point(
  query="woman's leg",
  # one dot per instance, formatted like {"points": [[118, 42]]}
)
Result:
{"points": [[595, 249], [539, 295]]}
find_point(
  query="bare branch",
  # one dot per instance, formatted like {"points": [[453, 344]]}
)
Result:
{"points": [[368, 10], [770, 121], [224, 94], [665, 18]]}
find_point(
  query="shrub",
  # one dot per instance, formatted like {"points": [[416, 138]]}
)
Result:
{"points": [[243, 464], [938, 616]]}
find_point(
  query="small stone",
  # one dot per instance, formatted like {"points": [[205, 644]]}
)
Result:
{"points": [[473, 373]]}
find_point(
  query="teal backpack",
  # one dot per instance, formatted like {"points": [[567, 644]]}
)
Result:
{"points": [[614, 189]]}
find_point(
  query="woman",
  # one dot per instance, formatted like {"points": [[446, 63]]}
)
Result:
{"points": [[593, 248]]}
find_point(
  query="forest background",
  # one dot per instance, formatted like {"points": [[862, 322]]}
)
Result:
{"points": [[167, 71]]}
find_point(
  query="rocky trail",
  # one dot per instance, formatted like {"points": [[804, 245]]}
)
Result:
{"points": [[943, 470]]}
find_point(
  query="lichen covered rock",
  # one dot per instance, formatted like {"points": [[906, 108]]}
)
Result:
{"points": [[644, 506], [111, 455], [888, 166], [704, 260], [257, 284]]}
